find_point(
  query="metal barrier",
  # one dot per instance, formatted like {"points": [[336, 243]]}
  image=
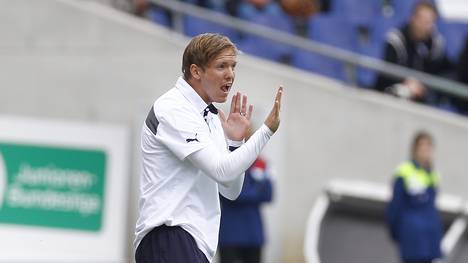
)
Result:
{"points": [[351, 60], [347, 205]]}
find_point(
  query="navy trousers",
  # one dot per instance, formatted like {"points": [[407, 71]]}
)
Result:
{"points": [[236, 254], [169, 244]]}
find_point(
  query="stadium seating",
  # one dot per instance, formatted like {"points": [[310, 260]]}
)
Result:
{"points": [[455, 34], [374, 47], [359, 12], [329, 30], [339, 28], [319, 64], [159, 16], [271, 16], [366, 78], [194, 26]]}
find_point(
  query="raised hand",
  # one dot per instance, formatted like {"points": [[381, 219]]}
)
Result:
{"points": [[236, 125], [273, 119]]}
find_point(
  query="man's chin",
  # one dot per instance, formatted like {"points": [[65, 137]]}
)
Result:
{"points": [[221, 100]]}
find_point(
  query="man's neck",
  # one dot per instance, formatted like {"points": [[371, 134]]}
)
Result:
{"points": [[196, 86], [412, 35]]}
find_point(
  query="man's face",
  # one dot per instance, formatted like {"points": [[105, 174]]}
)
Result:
{"points": [[218, 76], [422, 23], [424, 152]]}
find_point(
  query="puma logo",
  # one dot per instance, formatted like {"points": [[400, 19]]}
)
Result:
{"points": [[192, 140]]}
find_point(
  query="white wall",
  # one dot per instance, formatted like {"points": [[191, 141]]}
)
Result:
{"points": [[76, 60]]}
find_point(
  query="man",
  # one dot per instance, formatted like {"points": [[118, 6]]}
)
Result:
{"points": [[186, 161], [418, 46], [413, 220]]}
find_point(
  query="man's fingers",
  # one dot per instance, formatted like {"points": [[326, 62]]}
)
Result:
{"points": [[273, 119], [279, 95], [277, 109], [244, 104], [249, 113], [237, 104], [233, 103], [277, 105]]}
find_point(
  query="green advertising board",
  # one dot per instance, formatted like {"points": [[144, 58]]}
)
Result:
{"points": [[51, 186]]}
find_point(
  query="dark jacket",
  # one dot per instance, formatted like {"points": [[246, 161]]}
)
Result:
{"points": [[463, 64], [241, 222], [428, 56], [462, 76], [414, 222]]}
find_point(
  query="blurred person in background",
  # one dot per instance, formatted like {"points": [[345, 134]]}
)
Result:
{"points": [[160, 15], [241, 234], [413, 220], [462, 76], [300, 8], [300, 12], [416, 45], [250, 8]]}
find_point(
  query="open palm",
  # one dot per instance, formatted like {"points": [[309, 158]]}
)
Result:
{"points": [[237, 122]]}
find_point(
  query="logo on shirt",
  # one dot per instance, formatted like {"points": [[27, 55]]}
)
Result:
{"points": [[192, 140]]}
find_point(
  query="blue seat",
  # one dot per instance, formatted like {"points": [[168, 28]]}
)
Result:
{"points": [[366, 78], [374, 48], [319, 64], [380, 28], [271, 16], [159, 16], [332, 31], [359, 12], [211, 4], [454, 34], [194, 26]]}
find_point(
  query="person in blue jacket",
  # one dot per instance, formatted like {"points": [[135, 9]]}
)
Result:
{"points": [[241, 234], [414, 222]]}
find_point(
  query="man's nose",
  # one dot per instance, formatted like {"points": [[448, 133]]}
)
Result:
{"points": [[230, 73]]}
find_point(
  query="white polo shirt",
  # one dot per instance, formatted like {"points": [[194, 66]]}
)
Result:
{"points": [[172, 190]]}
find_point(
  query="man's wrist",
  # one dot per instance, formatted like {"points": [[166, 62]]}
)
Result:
{"points": [[233, 145]]}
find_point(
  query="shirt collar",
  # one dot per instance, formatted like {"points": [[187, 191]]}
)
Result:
{"points": [[419, 166], [191, 95]]}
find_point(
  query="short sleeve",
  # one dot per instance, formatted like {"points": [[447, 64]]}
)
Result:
{"points": [[181, 130]]}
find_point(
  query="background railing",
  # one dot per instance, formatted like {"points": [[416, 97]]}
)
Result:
{"points": [[350, 59]]}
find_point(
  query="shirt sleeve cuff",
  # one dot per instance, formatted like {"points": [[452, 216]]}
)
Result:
{"points": [[235, 144], [266, 130]]}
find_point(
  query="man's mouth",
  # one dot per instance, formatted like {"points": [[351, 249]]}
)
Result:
{"points": [[226, 87]]}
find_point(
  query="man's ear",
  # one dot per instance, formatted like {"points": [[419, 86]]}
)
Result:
{"points": [[195, 71]]}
